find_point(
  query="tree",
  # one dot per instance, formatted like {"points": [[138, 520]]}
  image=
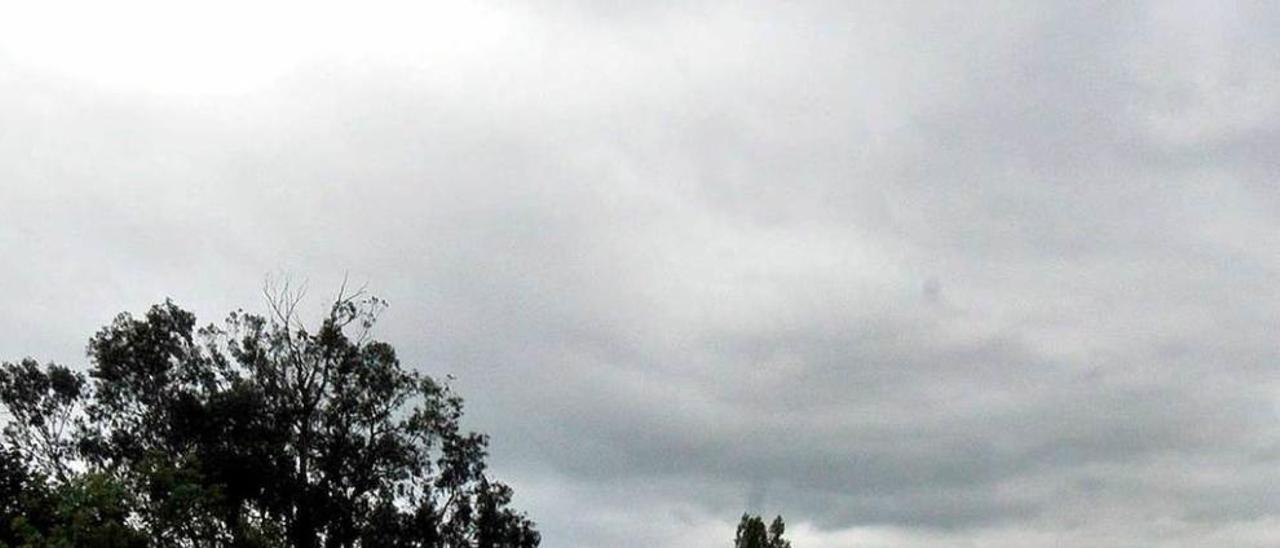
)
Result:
{"points": [[258, 432], [87, 510], [752, 533]]}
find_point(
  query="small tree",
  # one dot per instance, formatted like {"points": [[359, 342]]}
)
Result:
{"points": [[258, 432], [752, 533]]}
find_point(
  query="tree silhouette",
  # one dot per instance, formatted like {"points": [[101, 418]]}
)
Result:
{"points": [[752, 533], [258, 432]]}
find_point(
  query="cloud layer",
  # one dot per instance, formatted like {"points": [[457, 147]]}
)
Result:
{"points": [[993, 275]]}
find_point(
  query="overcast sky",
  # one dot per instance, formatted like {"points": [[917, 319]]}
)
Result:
{"points": [[910, 274]]}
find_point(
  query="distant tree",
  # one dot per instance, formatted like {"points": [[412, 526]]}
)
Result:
{"points": [[256, 433], [752, 533]]}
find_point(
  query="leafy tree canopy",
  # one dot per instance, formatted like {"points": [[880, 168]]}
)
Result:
{"points": [[258, 432], [752, 533]]}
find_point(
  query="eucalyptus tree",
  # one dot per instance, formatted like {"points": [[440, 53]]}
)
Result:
{"points": [[259, 431]]}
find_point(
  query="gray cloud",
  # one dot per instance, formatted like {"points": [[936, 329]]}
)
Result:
{"points": [[911, 276]]}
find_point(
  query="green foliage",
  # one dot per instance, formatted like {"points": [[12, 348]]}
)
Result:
{"points": [[255, 433], [88, 510], [42, 403], [752, 533]]}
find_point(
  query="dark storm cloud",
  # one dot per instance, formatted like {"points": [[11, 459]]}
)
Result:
{"points": [[910, 276]]}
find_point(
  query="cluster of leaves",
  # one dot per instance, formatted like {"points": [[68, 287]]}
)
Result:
{"points": [[88, 510], [752, 533], [257, 433]]}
